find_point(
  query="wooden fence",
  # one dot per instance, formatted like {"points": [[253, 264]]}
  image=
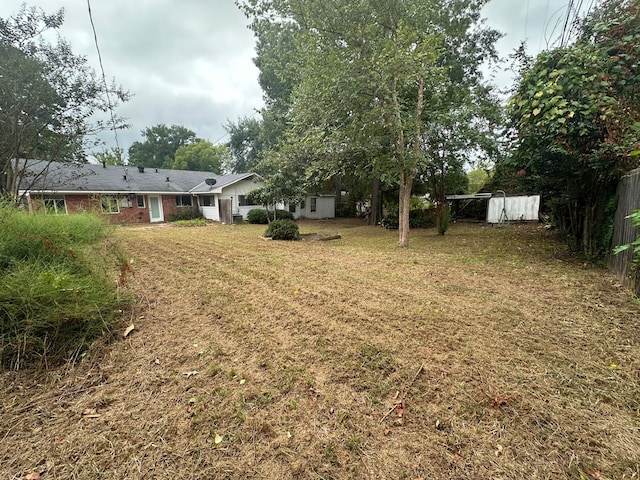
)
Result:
{"points": [[623, 232]]}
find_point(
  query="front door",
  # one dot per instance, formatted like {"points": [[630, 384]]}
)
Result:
{"points": [[225, 210], [155, 209]]}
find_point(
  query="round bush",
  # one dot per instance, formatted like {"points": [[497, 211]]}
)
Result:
{"points": [[259, 216], [283, 230]]}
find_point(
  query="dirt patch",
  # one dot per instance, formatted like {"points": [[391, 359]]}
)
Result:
{"points": [[486, 353]]}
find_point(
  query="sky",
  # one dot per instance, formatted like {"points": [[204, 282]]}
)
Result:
{"points": [[190, 62]]}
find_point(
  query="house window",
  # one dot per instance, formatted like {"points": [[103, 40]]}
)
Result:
{"points": [[109, 204], [55, 205], [302, 205], [140, 201], [183, 200], [207, 201], [124, 202], [292, 208], [313, 204], [245, 201]]}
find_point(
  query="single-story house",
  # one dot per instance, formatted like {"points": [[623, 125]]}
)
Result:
{"points": [[142, 194]]}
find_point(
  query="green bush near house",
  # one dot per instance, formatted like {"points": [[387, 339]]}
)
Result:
{"points": [[59, 285], [190, 213], [283, 230], [259, 216]]}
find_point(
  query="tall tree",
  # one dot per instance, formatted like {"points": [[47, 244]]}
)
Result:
{"points": [[202, 156], [48, 96], [371, 74], [576, 117], [246, 143], [111, 156], [158, 149]]}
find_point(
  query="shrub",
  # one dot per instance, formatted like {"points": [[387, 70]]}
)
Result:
{"points": [[283, 230], [259, 216], [422, 218], [57, 285], [444, 220], [190, 213]]}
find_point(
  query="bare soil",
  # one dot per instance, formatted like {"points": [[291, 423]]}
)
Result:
{"points": [[484, 354]]}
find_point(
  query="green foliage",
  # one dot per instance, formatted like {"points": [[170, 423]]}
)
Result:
{"points": [[262, 216], [355, 88], [445, 218], [635, 245], [202, 156], [246, 143], [111, 156], [418, 218], [283, 230], [58, 291], [158, 150], [477, 179], [576, 116], [48, 95], [186, 213], [197, 222], [282, 183]]}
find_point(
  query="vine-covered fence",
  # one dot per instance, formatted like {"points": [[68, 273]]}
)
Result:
{"points": [[624, 232]]}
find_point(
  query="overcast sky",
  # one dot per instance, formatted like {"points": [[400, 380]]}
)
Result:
{"points": [[189, 62]]}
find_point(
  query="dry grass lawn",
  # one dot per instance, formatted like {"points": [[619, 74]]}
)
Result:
{"points": [[485, 354]]}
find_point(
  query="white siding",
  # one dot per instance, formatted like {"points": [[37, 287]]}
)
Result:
{"points": [[518, 208], [325, 207], [211, 213]]}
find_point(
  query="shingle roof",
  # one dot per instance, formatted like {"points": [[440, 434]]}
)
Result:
{"points": [[61, 177]]}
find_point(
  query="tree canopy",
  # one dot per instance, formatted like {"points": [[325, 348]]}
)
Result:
{"points": [[575, 120], [158, 149], [48, 95], [361, 83], [202, 156]]}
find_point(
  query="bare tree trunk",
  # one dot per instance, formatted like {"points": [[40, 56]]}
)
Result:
{"points": [[406, 184], [375, 211], [337, 181]]}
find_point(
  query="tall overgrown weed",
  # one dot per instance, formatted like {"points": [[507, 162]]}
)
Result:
{"points": [[60, 285]]}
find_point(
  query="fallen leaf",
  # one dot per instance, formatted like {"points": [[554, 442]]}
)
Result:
{"points": [[190, 373], [217, 439], [156, 361], [289, 435], [33, 476], [128, 330], [386, 431], [90, 413], [242, 380], [595, 475]]}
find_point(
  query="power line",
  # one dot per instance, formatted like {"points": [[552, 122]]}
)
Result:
{"points": [[563, 38], [104, 80], [546, 15], [226, 134]]}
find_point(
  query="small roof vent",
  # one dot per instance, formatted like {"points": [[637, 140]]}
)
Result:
{"points": [[210, 181]]}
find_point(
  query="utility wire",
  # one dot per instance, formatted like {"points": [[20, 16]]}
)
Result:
{"points": [[104, 80], [563, 38], [546, 16]]}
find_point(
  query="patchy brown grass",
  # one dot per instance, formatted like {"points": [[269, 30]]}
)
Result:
{"points": [[484, 354]]}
